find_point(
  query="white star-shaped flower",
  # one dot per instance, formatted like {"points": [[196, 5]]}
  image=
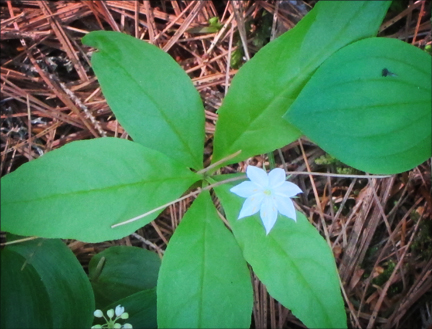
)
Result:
{"points": [[267, 193]]}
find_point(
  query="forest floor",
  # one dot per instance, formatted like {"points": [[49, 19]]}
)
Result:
{"points": [[380, 229]]}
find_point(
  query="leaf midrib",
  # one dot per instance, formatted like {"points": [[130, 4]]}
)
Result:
{"points": [[83, 192], [157, 106], [293, 83]]}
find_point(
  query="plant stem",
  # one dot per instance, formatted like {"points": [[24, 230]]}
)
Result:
{"points": [[217, 163]]}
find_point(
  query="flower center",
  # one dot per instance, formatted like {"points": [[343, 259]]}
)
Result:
{"points": [[267, 192]]}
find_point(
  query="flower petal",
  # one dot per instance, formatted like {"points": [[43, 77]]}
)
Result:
{"points": [[119, 310], [245, 189], [286, 207], [252, 205], [287, 189], [276, 177], [268, 214], [257, 176]]}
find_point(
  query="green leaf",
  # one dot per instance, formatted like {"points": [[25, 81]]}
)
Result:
{"points": [[293, 261], [151, 95], [204, 281], [121, 271], [81, 189], [44, 286], [24, 300], [265, 87], [375, 122]]}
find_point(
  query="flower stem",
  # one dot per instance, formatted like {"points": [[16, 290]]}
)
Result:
{"points": [[217, 163]]}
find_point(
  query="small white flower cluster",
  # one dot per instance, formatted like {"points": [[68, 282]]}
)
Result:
{"points": [[111, 323]]}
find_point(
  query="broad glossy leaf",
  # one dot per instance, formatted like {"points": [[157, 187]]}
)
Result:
{"points": [[250, 118], [204, 281], [81, 189], [293, 261], [121, 271], [44, 286], [24, 299], [371, 119], [151, 95]]}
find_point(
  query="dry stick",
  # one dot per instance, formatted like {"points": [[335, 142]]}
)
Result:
{"points": [[11, 13], [195, 11], [398, 17], [325, 231], [19, 241], [136, 20], [108, 16], [272, 313], [218, 36], [217, 163], [199, 190], [157, 209], [315, 194], [63, 39], [147, 242], [39, 135], [173, 22], [158, 231], [418, 22], [206, 63], [241, 28], [350, 306], [264, 297], [345, 198], [228, 64], [81, 105], [12, 19], [152, 28], [292, 173], [95, 12], [12, 90], [3, 154], [330, 201], [422, 284], [29, 128], [116, 6], [284, 164], [389, 281], [381, 255], [275, 17], [223, 219], [60, 95], [386, 222]]}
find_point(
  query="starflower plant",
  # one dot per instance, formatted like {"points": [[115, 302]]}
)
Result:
{"points": [[269, 194], [112, 323], [322, 79]]}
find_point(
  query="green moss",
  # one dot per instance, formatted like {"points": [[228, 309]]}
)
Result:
{"points": [[335, 165], [381, 279], [422, 244]]}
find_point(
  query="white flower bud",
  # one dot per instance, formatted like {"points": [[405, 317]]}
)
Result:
{"points": [[110, 313], [98, 313]]}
